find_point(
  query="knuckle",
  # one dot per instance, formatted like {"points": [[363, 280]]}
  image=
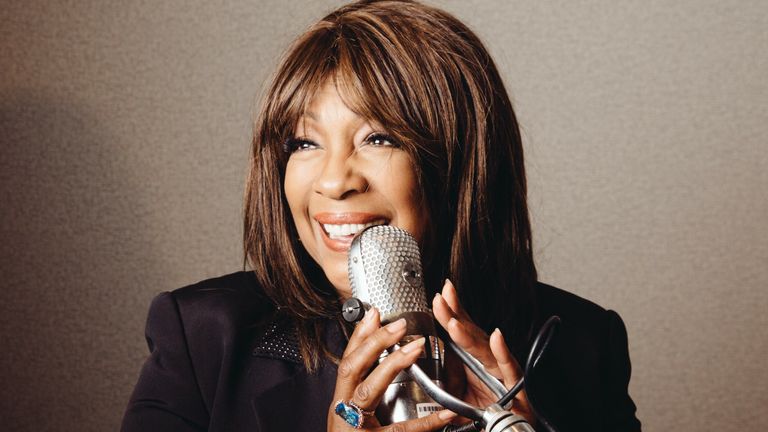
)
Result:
{"points": [[378, 342], [370, 343], [380, 338], [397, 427], [346, 368], [362, 393], [400, 361], [395, 362], [360, 333]]}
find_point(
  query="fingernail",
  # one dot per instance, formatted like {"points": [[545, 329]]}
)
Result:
{"points": [[449, 286], [445, 303], [446, 415], [396, 326], [500, 337], [413, 345]]}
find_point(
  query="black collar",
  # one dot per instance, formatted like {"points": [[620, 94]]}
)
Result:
{"points": [[279, 341]]}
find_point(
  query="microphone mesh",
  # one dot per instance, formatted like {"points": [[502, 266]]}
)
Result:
{"points": [[391, 269]]}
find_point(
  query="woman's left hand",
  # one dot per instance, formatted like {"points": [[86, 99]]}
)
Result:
{"points": [[491, 351]]}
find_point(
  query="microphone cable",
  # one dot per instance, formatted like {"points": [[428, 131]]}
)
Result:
{"points": [[539, 346]]}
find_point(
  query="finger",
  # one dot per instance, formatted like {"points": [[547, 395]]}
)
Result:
{"points": [[440, 309], [451, 297], [425, 424], [465, 333], [369, 392], [336, 423], [444, 311], [510, 370], [369, 324], [356, 363], [471, 342]]}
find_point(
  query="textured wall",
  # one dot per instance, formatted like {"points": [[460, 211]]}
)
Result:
{"points": [[124, 136]]}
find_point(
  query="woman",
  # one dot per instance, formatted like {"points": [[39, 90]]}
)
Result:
{"points": [[384, 112]]}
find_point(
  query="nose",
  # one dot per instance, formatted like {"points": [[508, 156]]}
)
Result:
{"points": [[340, 176]]}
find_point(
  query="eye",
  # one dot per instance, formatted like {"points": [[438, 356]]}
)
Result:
{"points": [[293, 145], [378, 139]]}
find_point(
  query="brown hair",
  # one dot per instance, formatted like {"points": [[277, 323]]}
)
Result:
{"points": [[431, 83]]}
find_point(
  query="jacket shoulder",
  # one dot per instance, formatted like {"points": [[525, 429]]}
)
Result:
{"points": [[569, 307], [221, 319], [242, 283], [585, 377], [193, 333], [225, 303], [583, 335]]}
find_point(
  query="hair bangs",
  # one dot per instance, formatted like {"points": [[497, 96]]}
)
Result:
{"points": [[375, 80], [311, 61]]}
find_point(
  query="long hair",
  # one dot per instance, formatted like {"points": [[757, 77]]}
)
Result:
{"points": [[431, 83]]}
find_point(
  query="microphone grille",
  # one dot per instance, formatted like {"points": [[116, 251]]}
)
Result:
{"points": [[385, 271]]}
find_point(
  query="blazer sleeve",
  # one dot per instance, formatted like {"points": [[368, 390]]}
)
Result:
{"points": [[620, 412], [167, 396]]}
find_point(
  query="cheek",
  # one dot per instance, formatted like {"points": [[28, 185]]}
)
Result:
{"points": [[405, 196], [295, 188], [291, 189], [418, 219]]}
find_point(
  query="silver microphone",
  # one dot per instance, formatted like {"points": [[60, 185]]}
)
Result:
{"points": [[385, 272]]}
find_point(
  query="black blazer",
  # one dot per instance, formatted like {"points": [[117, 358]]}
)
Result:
{"points": [[223, 359]]}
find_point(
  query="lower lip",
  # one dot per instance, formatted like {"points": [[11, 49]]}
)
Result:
{"points": [[336, 245]]}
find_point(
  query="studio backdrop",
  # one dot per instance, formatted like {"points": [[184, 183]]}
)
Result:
{"points": [[124, 140]]}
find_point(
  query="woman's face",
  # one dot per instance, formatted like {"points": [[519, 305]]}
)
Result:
{"points": [[345, 174]]}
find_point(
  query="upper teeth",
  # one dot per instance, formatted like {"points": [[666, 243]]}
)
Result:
{"points": [[343, 230]]}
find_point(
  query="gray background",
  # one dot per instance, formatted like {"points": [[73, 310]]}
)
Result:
{"points": [[125, 128]]}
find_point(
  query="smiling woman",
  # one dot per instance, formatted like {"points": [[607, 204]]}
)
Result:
{"points": [[343, 175], [384, 112]]}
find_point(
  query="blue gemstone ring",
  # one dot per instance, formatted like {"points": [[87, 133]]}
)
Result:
{"points": [[351, 413]]}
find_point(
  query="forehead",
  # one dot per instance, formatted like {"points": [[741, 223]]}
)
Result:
{"points": [[331, 103]]}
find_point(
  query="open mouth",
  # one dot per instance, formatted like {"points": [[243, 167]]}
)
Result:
{"points": [[346, 232], [338, 229]]}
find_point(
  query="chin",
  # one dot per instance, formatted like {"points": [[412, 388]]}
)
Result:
{"points": [[340, 281]]}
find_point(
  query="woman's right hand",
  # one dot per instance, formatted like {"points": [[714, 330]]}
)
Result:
{"points": [[352, 384]]}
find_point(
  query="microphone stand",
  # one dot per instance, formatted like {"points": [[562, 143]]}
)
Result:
{"points": [[495, 417]]}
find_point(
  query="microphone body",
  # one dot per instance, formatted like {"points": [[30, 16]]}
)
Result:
{"points": [[385, 272]]}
